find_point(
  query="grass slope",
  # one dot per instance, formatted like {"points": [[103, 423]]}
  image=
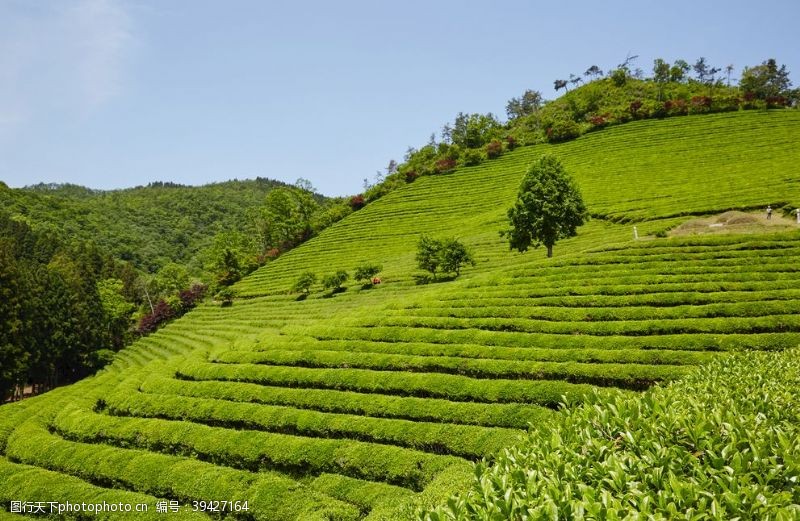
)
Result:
{"points": [[369, 403]]}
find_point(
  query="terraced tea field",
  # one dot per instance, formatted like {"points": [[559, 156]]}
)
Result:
{"points": [[367, 403]]}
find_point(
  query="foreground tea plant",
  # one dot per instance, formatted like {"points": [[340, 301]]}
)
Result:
{"points": [[720, 444]]}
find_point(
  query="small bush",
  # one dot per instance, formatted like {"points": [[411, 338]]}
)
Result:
{"points": [[494, 149], [442, 255], [304, 283], [365, 272], [225, 297], [334, 281], [446, 165], [472, 157], [357, 202], [562, 130]]}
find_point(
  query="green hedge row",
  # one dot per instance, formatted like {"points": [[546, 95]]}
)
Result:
{"points": [[691, 342], [255, 450], [618, 301], [720, 444], [622, 375], [513, 415], [601, 356], [767, 324], [270, 495], [460, 440], [450, 387], [26, 483], [781, 265], [684, 256], [610, 314], [628, 289], [780, 240], [365, 494], [661, 272]]}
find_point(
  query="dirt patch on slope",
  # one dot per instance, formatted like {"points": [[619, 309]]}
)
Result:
{"points": [[736, 222]]}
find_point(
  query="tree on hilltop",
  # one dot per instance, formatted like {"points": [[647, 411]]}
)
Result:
{"points": [[766, 81], [549, 207]]}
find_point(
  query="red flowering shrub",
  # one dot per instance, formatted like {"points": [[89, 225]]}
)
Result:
{"points": [[445, 165], [357, 202], [494, 149], [634, 108]]}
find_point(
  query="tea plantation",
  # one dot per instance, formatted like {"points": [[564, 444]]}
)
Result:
{"points": [[372, 402]]}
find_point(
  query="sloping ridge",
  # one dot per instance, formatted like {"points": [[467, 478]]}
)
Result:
{"points": [[371, 401]]}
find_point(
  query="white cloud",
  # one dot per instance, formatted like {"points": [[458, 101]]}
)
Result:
{"points": [[60, 57]]}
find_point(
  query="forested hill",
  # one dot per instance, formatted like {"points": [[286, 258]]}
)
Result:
{"points": [[150, 226]]}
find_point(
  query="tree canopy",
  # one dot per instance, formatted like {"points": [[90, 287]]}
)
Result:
{"points": [[549, 207]]}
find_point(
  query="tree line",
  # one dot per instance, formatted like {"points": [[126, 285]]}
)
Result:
{"points": [[60, 308]]}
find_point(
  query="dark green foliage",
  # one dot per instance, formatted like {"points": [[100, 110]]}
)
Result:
{"points": [[59, 304], [148, 226], [454, 255], [334, 281], [286, 219], [720, 444], [549, 207], [428, 257], [304, 282], [472, 157], [442, 255], [473, 130], [225, 297], [766, 81], [525, 105], [364, 273]]}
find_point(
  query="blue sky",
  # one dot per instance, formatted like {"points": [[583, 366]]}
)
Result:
{"points": [[118, 93]]}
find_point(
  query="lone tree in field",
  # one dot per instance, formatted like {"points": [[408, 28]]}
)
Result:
{"points": [[549, 207], [304, 282], [335, 281], [442, 255]]}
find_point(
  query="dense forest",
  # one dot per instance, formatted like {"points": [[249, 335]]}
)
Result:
{"points": [[84, 272]]}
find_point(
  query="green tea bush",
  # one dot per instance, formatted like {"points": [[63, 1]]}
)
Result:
{"points": [[304, 282], [433, 385], [514, 415], [334, 281], [366, 271], [629, 375], [461, 440], [720, 444], [255, 451]]}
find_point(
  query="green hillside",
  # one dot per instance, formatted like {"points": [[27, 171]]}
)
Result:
{"points": [[369, 403], [149, 226]]}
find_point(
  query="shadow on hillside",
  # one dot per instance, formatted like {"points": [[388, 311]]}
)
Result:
{"points": [[334, 292], [301, 296], [424, 278]]}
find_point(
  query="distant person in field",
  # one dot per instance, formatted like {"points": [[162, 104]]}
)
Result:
{"points": [[769, 212]]}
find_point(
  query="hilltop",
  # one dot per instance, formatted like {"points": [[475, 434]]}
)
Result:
{"points": [[369, 403]]}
